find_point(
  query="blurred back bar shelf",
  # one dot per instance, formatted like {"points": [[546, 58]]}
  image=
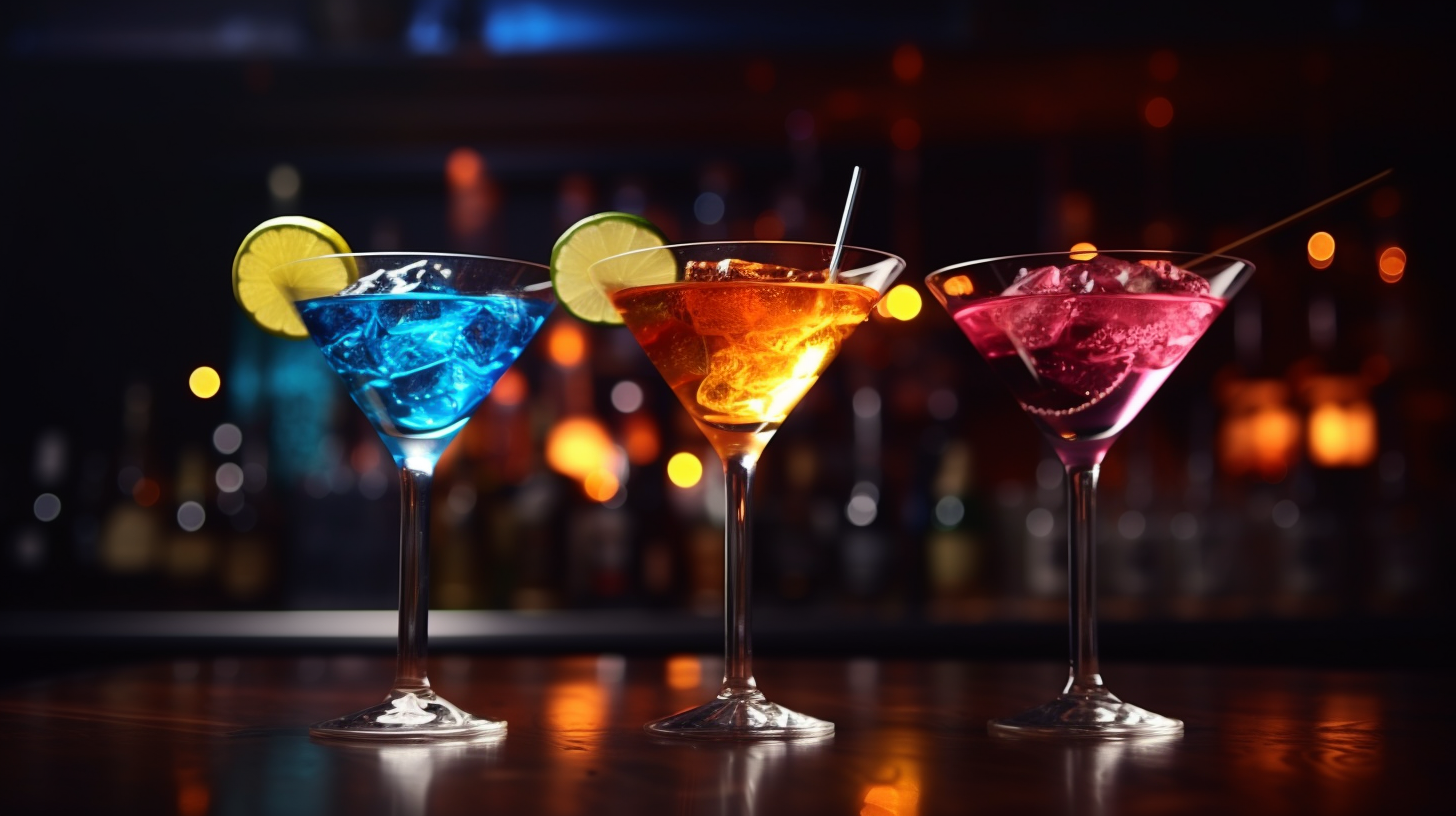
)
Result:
{"points": [[1288, 486]]}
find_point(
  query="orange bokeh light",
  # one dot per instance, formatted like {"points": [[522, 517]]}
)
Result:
{"points": [[905, 134], [1321, 247], [464, 168], [600, 485], [1342, 435], [510, 390], [684, 672], [769, 227], [566, 344], [1158, 112], [1392, 264], [959, 286], [640, 438], [578, 447], [907, 63], [1083, 251]]}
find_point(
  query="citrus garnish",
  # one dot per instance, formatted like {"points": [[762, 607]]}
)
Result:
{"points": [[602, 236], [262, 288]]}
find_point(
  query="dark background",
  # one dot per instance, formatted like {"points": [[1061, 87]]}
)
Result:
{"points": [[139, 138]]}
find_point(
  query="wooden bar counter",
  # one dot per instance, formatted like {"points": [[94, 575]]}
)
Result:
{"points": [[227, 736]]}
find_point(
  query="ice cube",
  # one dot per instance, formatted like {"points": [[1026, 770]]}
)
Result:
{"points": [[732, 269], [423, 275], [1040, 281], [1166, 277], [738, 381], [1101, 276], [1034, 323], [1105, 275]]}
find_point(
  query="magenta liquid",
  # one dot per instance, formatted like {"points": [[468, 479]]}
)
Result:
{"points": [[1084, 365]]}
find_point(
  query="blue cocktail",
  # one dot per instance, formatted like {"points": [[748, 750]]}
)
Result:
{"points": [[419, 340], [419, 364]]}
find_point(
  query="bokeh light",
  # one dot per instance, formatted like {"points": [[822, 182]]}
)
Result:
{"points": [[626, 396], [684, 469], [229, 477], [47, 507], [284, 182], [907, 63], [1392, 264], [959, 286], [510, 390], [464, 167], [684, 672], [1083, 251], [205, 382], [227, 438], [191, 516], [1321, 247], [1158, 112], [600, 485], [641, 439], [902, 302], [146, 492], [1163, 65], [905, 134], [566, 344], [578, 447]]}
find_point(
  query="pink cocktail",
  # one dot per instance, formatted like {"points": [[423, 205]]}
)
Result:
{"points": [[1083, 341]]}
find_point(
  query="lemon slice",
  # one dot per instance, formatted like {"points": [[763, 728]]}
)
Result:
{"points": [[262, 289], [602, 236]]}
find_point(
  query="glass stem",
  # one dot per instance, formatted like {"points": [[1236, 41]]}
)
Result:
{"points": [[737, 577], [1085, 674], [414, 576]]}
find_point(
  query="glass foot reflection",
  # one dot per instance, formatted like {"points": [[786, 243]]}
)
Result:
{"points": [[408, 716], [748, 716], [1097, 714]]}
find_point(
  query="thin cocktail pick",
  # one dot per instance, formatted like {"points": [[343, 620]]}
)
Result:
{"points": [[1302, 213], [844, 226]]}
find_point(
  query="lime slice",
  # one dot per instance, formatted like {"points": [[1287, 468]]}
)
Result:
{"points": [[602, 236], [263, 290]]}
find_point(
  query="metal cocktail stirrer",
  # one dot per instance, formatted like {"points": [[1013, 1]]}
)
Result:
{"points": [[844, 226]]}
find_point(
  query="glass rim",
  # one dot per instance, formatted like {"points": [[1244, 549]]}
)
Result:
{"points": [[405, 253], [1067, 252], [688, 244]]}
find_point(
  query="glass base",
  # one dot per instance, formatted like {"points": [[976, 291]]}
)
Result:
{"points": [[408, 716], [747, 716], [1096, 714]]}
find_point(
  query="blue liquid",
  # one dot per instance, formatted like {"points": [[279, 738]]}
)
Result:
{"points": [[419, 365]]}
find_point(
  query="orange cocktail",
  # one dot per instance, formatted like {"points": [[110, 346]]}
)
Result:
{"points": [[740, 353]]}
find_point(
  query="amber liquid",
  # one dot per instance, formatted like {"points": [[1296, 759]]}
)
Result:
{"points": [[741, 354]]}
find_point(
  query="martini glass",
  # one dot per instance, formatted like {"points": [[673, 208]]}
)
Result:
{"points": [[1083, 341], [740, 338], [419, 340]]}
